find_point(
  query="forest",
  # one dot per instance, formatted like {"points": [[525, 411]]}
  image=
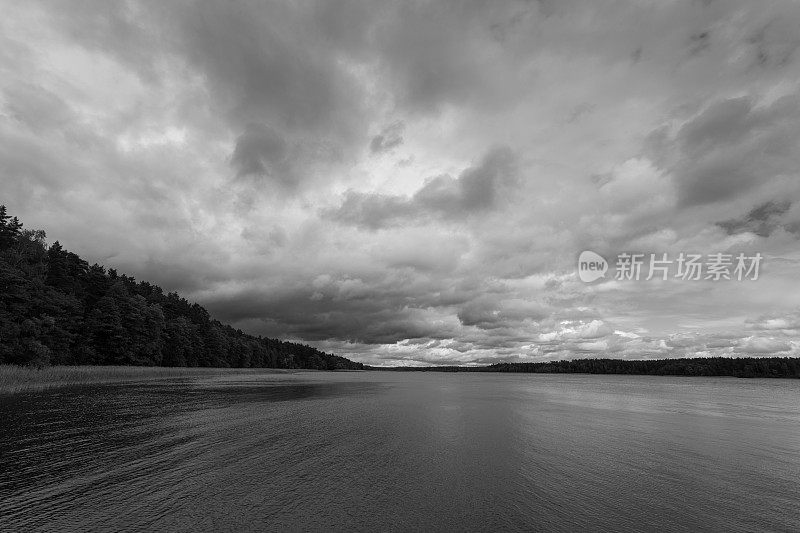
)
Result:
{"points": [[56, 309], [739, 367]]}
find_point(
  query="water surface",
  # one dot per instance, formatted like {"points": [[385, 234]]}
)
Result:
{"points": [[403, 451]]}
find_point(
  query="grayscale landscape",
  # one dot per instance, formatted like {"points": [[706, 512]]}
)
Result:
{"points": [[428, 265]]}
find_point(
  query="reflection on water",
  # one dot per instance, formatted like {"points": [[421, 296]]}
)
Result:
{"points": [[397, 451]]}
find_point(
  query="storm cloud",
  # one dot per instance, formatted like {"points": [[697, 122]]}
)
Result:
{"points": [[411, 183], [476, 190]]}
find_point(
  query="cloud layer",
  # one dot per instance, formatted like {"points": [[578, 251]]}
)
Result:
{"points": [[412, 183]]}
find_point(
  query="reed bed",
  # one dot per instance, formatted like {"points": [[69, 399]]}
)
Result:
{"points": [[15, 378]]}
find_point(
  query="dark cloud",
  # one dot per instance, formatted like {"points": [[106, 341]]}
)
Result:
{"points": [[730, 147], [423, 48], [266, 66], [761, 220], [275, 64], [390, 137], [698, 42], [37, 108], [775, 43], [492, 311], [260, 151], [372, 210], [265, 240], [474, 191], [373, 317], [579, 112], [175, 275]]}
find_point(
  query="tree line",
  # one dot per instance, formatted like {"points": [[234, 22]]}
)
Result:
{"points": [[740, 367], [57, 309]]}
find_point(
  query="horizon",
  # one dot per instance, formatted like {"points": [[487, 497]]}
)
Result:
{"points": [[413, 185], [582, 359]]}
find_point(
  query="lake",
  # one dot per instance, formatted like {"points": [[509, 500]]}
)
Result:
{"points": [[392, 451]]}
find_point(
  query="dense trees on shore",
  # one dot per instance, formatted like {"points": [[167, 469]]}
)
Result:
{"points": [[56, 309], [741, 367]]}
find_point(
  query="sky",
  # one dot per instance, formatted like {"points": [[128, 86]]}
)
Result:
{"points": [[411, 183]]}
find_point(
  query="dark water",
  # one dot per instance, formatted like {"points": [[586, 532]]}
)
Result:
{"points": [[404, 451]]}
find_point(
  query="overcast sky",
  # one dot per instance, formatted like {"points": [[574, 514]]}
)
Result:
{"points": [[412, 182]]}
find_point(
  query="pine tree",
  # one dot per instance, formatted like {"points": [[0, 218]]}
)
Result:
{"points": [[9, 229]]}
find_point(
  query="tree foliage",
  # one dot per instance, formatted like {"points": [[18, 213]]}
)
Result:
{"points": [[740, 367], [56, 309]]}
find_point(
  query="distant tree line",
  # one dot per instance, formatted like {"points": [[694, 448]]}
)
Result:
{"points": [[740, 367], [56, 309]]}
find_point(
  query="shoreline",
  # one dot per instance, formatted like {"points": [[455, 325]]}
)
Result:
{"points": [[737, 367], [14, 378]]}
